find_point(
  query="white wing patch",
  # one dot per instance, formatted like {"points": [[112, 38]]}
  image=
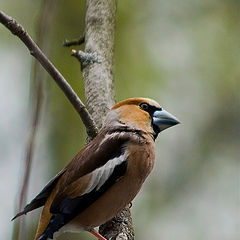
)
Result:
{"points": [[101, 175]]}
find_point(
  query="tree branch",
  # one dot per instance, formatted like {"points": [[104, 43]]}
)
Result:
{"points": [[86, 58], [69, 43], [120, 227], [20, 32]]}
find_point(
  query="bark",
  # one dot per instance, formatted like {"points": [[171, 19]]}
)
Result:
{"points": [[99, 38], [99, 88], [120, 227]]}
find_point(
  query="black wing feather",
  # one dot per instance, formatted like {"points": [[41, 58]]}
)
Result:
{"points": [[41, 198]]}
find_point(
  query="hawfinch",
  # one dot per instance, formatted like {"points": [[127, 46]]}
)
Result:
{"points": [[106, 174]]}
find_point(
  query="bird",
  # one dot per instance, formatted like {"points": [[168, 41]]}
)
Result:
{"points": [[106, 175]]}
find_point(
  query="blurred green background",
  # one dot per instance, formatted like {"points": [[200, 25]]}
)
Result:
{"points": [[184, 54]]}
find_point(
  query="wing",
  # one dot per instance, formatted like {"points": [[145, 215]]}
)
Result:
{"points": [[103, 162], [92, 156], [92, 168], [74, 201], [41, 198]]}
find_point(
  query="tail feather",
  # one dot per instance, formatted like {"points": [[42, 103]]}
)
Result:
{"points": [[43, 237], [42, 197], [36, 203], [56, 222]]}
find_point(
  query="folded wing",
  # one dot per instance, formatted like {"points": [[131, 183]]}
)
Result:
{"points": [[110, 160]]}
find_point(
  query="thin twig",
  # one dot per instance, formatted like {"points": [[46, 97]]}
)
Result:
{"points": [[86, 58], [36, 107], [74, 42], [20, 32]]}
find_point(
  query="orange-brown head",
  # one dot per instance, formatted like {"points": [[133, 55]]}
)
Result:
{"points": [[141, 113]]}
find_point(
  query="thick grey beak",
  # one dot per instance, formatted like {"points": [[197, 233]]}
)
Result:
{"points": [[163, 119]]}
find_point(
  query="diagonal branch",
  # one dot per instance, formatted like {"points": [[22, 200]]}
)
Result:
{"points": [[20, 32]]}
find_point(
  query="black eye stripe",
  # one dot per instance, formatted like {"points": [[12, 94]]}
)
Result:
{"points": [[148, 108]]}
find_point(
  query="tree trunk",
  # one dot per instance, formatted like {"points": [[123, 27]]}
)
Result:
{"points": [[99, 38], [99, 88]]}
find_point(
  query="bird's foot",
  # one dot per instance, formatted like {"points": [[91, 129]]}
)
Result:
{"points": [[97, 235]]}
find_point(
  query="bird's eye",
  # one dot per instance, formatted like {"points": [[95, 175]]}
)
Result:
{"points": [[144, 106]]}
